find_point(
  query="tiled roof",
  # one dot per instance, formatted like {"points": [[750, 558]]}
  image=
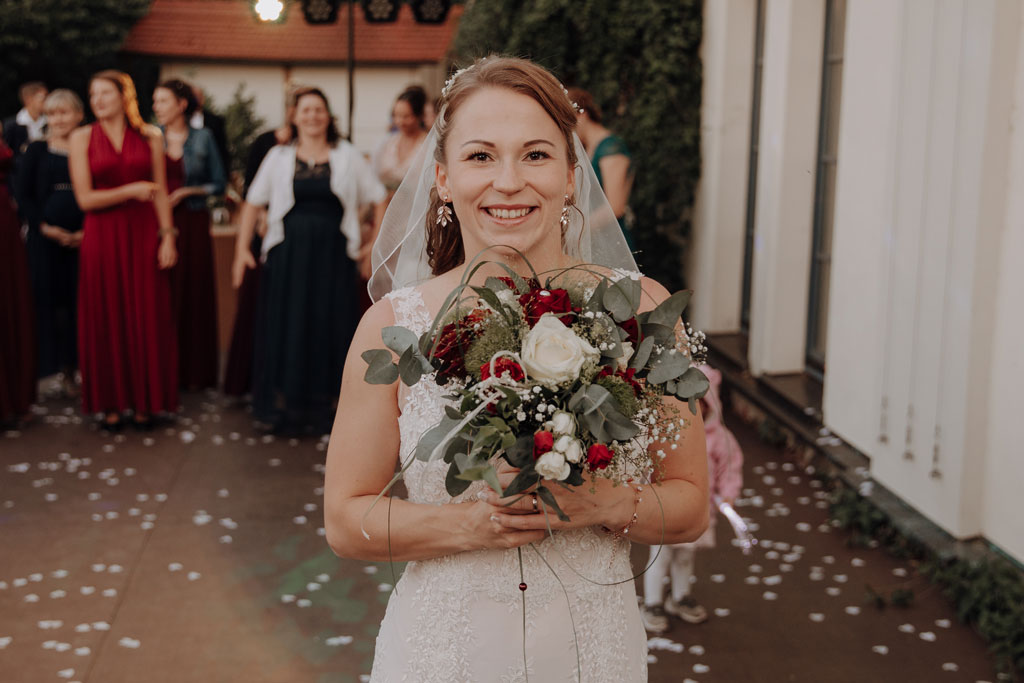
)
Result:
{"points": [[229, 30]]}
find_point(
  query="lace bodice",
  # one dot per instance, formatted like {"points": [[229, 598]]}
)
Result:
{"points": [[459, 617]]}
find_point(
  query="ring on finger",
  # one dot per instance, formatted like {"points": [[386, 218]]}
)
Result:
{"points": [[533, 497]]}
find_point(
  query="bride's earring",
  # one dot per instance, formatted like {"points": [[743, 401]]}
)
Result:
{"points": [[444, 213], [564, 219]]}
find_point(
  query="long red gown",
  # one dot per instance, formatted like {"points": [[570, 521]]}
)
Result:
{"points": [[127, 345], [193, 289], [17, 343]]}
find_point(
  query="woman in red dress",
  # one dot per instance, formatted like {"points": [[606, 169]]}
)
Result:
{"points": [[194, 172], [17, 345], [127, 346]]}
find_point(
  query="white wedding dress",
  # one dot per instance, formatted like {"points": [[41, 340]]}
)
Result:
{"points": [[459, 618]]}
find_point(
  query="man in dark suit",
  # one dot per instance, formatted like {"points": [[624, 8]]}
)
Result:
{"points": [[29, 124], [205, 118]]}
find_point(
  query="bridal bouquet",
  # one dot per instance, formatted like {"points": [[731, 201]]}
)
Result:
{"points": [[565, 379]]}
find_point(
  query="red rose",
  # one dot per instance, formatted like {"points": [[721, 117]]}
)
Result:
{"points": [[537, 302], [543, 442], [632, 329], [451, 344], [501, 366], [598, 456], [511, 284]]}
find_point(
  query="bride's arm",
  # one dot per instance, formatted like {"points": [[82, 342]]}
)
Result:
{"points": [[361, 460], [675, 510]]}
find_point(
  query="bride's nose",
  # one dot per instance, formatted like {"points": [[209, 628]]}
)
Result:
{"points": [[509, 180]]}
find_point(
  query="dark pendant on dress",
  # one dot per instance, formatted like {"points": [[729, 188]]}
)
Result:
{"points": [[522, 586]]}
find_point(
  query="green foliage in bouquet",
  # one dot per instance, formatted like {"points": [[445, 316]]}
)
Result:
{"points": [[564, 380]]}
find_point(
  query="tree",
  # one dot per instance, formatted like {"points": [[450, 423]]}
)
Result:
{"points": [[59, 42], [640, 60]]}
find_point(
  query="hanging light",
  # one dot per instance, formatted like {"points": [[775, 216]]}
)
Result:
{"points": [[380, 11], [430, 11], [320, 11], [269, 10]]}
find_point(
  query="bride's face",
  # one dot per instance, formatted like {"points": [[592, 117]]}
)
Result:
{"points": [[507, 174]]}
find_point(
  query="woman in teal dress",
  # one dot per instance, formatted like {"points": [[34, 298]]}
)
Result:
{"points": [[609, 156]]}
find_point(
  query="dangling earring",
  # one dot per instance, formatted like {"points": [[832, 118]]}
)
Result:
{"points": [[444, 213], [564, 219]]}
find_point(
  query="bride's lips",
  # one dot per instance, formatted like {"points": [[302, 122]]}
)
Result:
{"points": [[508, 214]]}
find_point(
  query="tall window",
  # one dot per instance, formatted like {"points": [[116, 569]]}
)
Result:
{"points": [[825, 185], [755, 121]]}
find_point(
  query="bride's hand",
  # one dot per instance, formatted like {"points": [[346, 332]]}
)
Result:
{"points": [[608, 505], [483, 525]]}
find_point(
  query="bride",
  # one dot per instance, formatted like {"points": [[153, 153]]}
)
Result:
{"points": [[503, 157]]}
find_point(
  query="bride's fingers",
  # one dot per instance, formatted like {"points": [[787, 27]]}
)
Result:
{"points": [[519, 504]]}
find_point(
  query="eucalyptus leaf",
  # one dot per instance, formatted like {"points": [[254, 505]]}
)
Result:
{"points": [[623, 298], [601, 414], [596, 301], [433, 437], [520, 453], [693, 384], [381, 369], [642, 353], [490, 475], [452, 484], [489, 297], [409, 367], [667, 365], [669, 311], [662, 334], [495, 285], [526, 478], [549, 499], [398, 338]]}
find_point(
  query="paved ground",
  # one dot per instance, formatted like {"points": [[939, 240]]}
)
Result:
{"points": [[195, 553]]}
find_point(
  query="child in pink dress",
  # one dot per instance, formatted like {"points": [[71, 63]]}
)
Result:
{"points": [[673, 564]]}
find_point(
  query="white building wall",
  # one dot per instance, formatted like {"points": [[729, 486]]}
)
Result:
{"points": [[376, 88], [924, 363]]}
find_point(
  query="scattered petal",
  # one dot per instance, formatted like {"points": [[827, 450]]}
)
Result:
{"points": [[880, 649], [130, 643]]}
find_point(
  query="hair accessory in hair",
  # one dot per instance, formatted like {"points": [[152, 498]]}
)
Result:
{"points": [[577, 108]]}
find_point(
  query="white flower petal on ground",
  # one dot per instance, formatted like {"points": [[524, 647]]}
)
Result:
{"points": [[130, 643], [5, 641], [880, 649], [722, 611], [852, 610], [338, 640], [950, 666], [943, 623], [927, 636], [816, 617], [906, 628]]}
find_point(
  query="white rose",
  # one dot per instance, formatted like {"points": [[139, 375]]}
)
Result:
{"points": [[574, 451], [552, 465], [553, 352], [627, 353], [508, 297], [562, 443], [561, 423]]}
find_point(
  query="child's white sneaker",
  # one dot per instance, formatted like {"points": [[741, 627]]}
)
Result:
{"points": [[686, 609], [654, 618]]}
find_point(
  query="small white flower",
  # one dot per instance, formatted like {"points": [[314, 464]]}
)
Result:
{"points": [[561, 423], [552, 465]]}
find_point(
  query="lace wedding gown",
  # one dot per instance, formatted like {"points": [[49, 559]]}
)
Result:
{"points": [[459, 618]]}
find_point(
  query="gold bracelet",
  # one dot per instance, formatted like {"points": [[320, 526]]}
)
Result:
{"points": [[636, 506], [163, 232]]}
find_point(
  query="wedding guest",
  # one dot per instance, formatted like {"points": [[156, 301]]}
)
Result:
{"points": [[674, 564], [238, 368], [54, 236], [17, 346], [394, 155], [194, 173], [204, 117], [127, 348], [29, 124], [501, 174], [313, 189], [609, 156]]}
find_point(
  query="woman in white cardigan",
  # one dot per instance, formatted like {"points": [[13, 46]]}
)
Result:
{"points": [[308, 308]]}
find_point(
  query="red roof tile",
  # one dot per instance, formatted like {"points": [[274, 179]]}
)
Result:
{"points": [[230, 30]]}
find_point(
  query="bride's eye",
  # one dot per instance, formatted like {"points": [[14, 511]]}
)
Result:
{"points": [[478, 156], [537, 155]]}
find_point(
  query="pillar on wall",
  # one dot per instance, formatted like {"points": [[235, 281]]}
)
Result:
{"points": [[787, 162], [715, 262]]}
